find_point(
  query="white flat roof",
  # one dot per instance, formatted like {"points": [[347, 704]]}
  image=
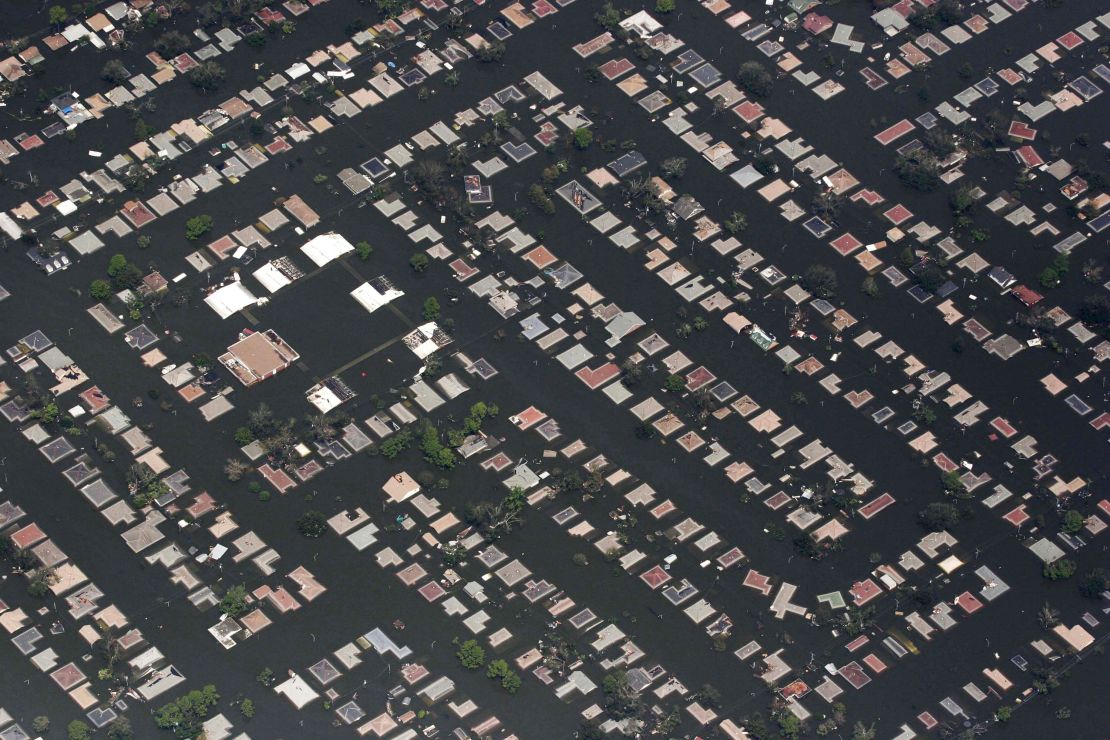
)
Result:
{"points": [[272, 279], [371, 299], [326, 247], [230, 299]]}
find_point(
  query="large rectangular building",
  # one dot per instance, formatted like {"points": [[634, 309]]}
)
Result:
{"points": [[258, 356]]}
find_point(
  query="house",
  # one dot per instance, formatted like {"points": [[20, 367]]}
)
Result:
{"points": [[816, 23], [1075, 187], [1026, 295], [48, 263], [400, 487], [890, 20], [686, 207], [154, 284], [1028, 156], [1001, 277], [257, 356]]}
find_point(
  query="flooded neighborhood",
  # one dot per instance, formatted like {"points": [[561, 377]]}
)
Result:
{"points": [[554, 369]]}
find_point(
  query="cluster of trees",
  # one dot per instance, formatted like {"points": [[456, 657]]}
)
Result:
{"points": [[1060, 569], [472, 656], [206, 76], [395, 444], [754, 78], [124, 275], [479, 413], [939, 15], [1053, 275], [435, 452], [496, 519], [736, 222], [645, 192], [673, 167], [918, 170], [278, 436], [621, 700], [185, 715], [312, 524], [22, 560], [1095, 310], [113, 71], [499, 670], [938, 516], [820, 281], [489, 53], [538, 196], [144, 485], [234, 601]]}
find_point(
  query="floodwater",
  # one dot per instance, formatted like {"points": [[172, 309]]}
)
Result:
{"points": [[329, 330]]}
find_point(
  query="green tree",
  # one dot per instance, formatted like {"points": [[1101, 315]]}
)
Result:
{"points": [[234, 601], [664, 6], [116, 265], [938, 516], [583, 137], [820, 280], [1060, 569], [41, 581], [312, 524], [609, 17], [1073, 522], [789, 725], [185, 715], [243, 436], [100, 289], [364, 250], [197, 226], [431, 308], [113, 71], [206, 76], [41, 723], [952, 483], [755, 79], [540, 199], [78, 730], [511, 682], [861, 731], [491, 52], [675, 383], [674, 167], [1095, 310], [120, 729], [171, 43], [247, 708], [918, 170], [419, 262], [1094, 583], [471, 655], [924, 415], [736, 223], [58, 15], [1049, 278]]}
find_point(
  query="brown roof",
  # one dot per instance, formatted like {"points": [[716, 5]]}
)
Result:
{"points": [[258, 356]]}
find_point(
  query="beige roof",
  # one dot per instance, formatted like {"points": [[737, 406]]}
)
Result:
{"points": [[262, 354], [400, 487]]}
